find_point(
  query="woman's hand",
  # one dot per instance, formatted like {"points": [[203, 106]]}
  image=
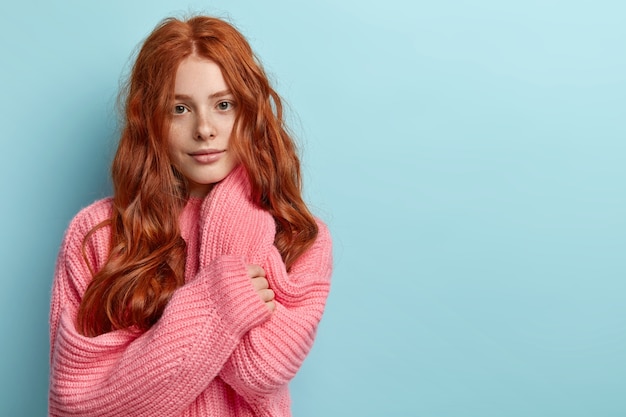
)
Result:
{"points": [[261, 285]]}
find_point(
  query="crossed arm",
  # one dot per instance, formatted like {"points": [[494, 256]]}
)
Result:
{"points": [[215, 325], [270, 354]]}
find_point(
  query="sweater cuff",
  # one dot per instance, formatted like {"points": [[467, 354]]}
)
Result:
{"points": [[232, 295]]}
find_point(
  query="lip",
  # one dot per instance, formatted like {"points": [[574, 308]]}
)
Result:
{"points": [[207, 156]]}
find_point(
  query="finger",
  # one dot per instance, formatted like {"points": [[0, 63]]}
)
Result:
{"points": [[255, 271], [260, 284], [266, 295], [271, 305]]}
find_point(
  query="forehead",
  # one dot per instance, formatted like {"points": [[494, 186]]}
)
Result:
{"points": [[196, 75]]}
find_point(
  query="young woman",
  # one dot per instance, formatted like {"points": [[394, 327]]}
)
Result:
{"points": [[196, 290]]}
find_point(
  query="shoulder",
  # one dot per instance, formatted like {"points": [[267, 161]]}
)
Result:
{"points": [[323, 234], [86, 221], [319, 257], [95, 213], [89, 217], [79, 256]]}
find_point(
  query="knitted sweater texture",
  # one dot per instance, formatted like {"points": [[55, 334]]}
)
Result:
{"points": [[216, 350]]}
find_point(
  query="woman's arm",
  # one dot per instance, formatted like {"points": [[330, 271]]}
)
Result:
{"points": [[269, 355], [161, 371]]}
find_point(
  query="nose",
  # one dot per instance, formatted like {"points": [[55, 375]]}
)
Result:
{"points": [[205, 128]]}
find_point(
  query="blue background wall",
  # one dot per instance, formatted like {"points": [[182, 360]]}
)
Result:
{"points": [[470, 158]]}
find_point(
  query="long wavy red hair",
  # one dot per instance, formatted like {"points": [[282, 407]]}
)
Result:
{"points": [[147, 259]]}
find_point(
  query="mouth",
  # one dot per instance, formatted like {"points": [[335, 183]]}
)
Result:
{"points": [[207, 156], [207, 152]]}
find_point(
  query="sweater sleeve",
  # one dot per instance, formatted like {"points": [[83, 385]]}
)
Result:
{"points": [[269, 355], [155, 373]]}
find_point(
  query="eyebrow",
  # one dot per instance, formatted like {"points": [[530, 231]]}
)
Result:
{"points": [[217, 94]]}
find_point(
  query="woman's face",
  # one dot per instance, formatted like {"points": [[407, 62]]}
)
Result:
{"points": [[202, 122]]}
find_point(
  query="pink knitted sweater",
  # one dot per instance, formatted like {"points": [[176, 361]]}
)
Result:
{"points": [[217, 350]]}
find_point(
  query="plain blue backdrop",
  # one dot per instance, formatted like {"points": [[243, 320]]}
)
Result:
{"points": [[469, 157]]}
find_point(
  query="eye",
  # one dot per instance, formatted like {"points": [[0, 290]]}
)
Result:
{"points": [[180, 109], [225, 105]]}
